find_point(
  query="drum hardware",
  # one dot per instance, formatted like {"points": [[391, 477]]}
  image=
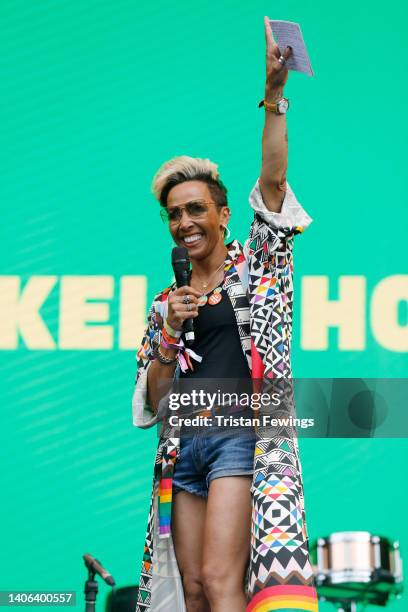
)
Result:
{"points": [[123, 599], [356, 568]]}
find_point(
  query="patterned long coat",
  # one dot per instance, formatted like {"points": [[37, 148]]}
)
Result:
{"points": [[259, 283]]}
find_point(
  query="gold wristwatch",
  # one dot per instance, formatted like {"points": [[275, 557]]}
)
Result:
{"points": [[280, 107]]}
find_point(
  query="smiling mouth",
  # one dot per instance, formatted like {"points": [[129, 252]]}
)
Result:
{"points": [[192, 240]]}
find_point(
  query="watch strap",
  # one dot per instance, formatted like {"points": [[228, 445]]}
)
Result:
{"points": [[271, 107]]}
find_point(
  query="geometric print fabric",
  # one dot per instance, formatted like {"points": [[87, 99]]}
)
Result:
{"points": [[279, 569]]}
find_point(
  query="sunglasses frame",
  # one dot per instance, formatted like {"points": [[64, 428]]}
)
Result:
{"points": [[165, 215]]}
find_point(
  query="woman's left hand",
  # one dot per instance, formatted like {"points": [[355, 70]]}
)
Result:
{"points": [[276, 72]]}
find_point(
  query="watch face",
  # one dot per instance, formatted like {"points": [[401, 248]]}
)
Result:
{"points": [[283, 105]]}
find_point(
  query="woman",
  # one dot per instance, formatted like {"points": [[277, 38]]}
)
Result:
{"points": [[203, 552]]}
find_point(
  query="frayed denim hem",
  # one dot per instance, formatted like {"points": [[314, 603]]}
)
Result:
{"points": [[191, 490]]}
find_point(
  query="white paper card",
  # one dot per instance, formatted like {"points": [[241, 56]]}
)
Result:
{"points": [[288, 33]]}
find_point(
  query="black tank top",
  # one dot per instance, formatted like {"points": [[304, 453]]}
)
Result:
{"points": [[217, 342], [224, 368]]}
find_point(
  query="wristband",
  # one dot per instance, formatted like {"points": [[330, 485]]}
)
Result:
{"points": [[171, 345], [183, 355], [168, 338], [175, 333]]}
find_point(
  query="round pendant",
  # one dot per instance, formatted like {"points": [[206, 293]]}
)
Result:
{"points": [[215, 299], [202, 300]]}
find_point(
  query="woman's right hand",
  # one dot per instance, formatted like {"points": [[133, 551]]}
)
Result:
{"points": [[183, 304]]}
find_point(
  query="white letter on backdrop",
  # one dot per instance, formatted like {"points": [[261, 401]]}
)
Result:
{"points": [[132, 320], [318, 313], [76, 312], [384, 313], [20, 313]]}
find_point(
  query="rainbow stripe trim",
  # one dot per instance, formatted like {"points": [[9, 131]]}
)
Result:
{"points": [[165, 499], [284, 598]]}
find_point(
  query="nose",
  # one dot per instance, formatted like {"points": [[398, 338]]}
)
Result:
{"points": [[185, 221]]}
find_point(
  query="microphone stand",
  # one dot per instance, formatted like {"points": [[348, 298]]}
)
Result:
{"points": [[91, 591], [91, 586]]}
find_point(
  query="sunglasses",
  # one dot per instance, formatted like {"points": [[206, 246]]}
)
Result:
{"points": [[194, 210]]}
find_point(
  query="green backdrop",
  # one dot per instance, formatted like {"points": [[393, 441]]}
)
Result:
{"points": [[95, 96]]}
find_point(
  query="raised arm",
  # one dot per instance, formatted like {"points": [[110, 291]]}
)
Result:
{"points": [[275, 136]]}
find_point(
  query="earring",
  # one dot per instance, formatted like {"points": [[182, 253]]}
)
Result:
{"points": [[227, 233]]}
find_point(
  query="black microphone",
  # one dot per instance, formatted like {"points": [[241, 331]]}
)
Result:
{"points": [[180, 261], [95, 566]]}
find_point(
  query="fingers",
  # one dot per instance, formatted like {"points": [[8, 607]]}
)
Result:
{"points": [[183, 304], [181, 307], [269, 40], [186, 290], [184, 313], [268, 32], [185, 299], [272, 49], [287, 53], [178, 314]]}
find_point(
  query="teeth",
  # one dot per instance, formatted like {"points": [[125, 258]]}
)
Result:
{"points": [[194, 238]]}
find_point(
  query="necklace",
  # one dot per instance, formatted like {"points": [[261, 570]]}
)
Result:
{"points": [[215, 297]]}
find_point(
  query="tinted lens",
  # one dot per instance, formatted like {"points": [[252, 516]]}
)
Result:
{"points": [[174, 214], [196, 209]]}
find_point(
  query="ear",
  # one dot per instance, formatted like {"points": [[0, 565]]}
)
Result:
{"points": [[225, 215]]}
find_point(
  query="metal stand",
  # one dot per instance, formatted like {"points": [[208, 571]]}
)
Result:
{"points": [[91, 591]]}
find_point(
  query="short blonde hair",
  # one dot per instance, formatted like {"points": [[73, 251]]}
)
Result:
{"points": [[184, 168]]}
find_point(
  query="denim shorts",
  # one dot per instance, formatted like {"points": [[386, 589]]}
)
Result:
{"points": [[206, 457]]}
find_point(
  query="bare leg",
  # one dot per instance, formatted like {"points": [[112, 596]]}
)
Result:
{"points": [[227, 542], [188, 534]]}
